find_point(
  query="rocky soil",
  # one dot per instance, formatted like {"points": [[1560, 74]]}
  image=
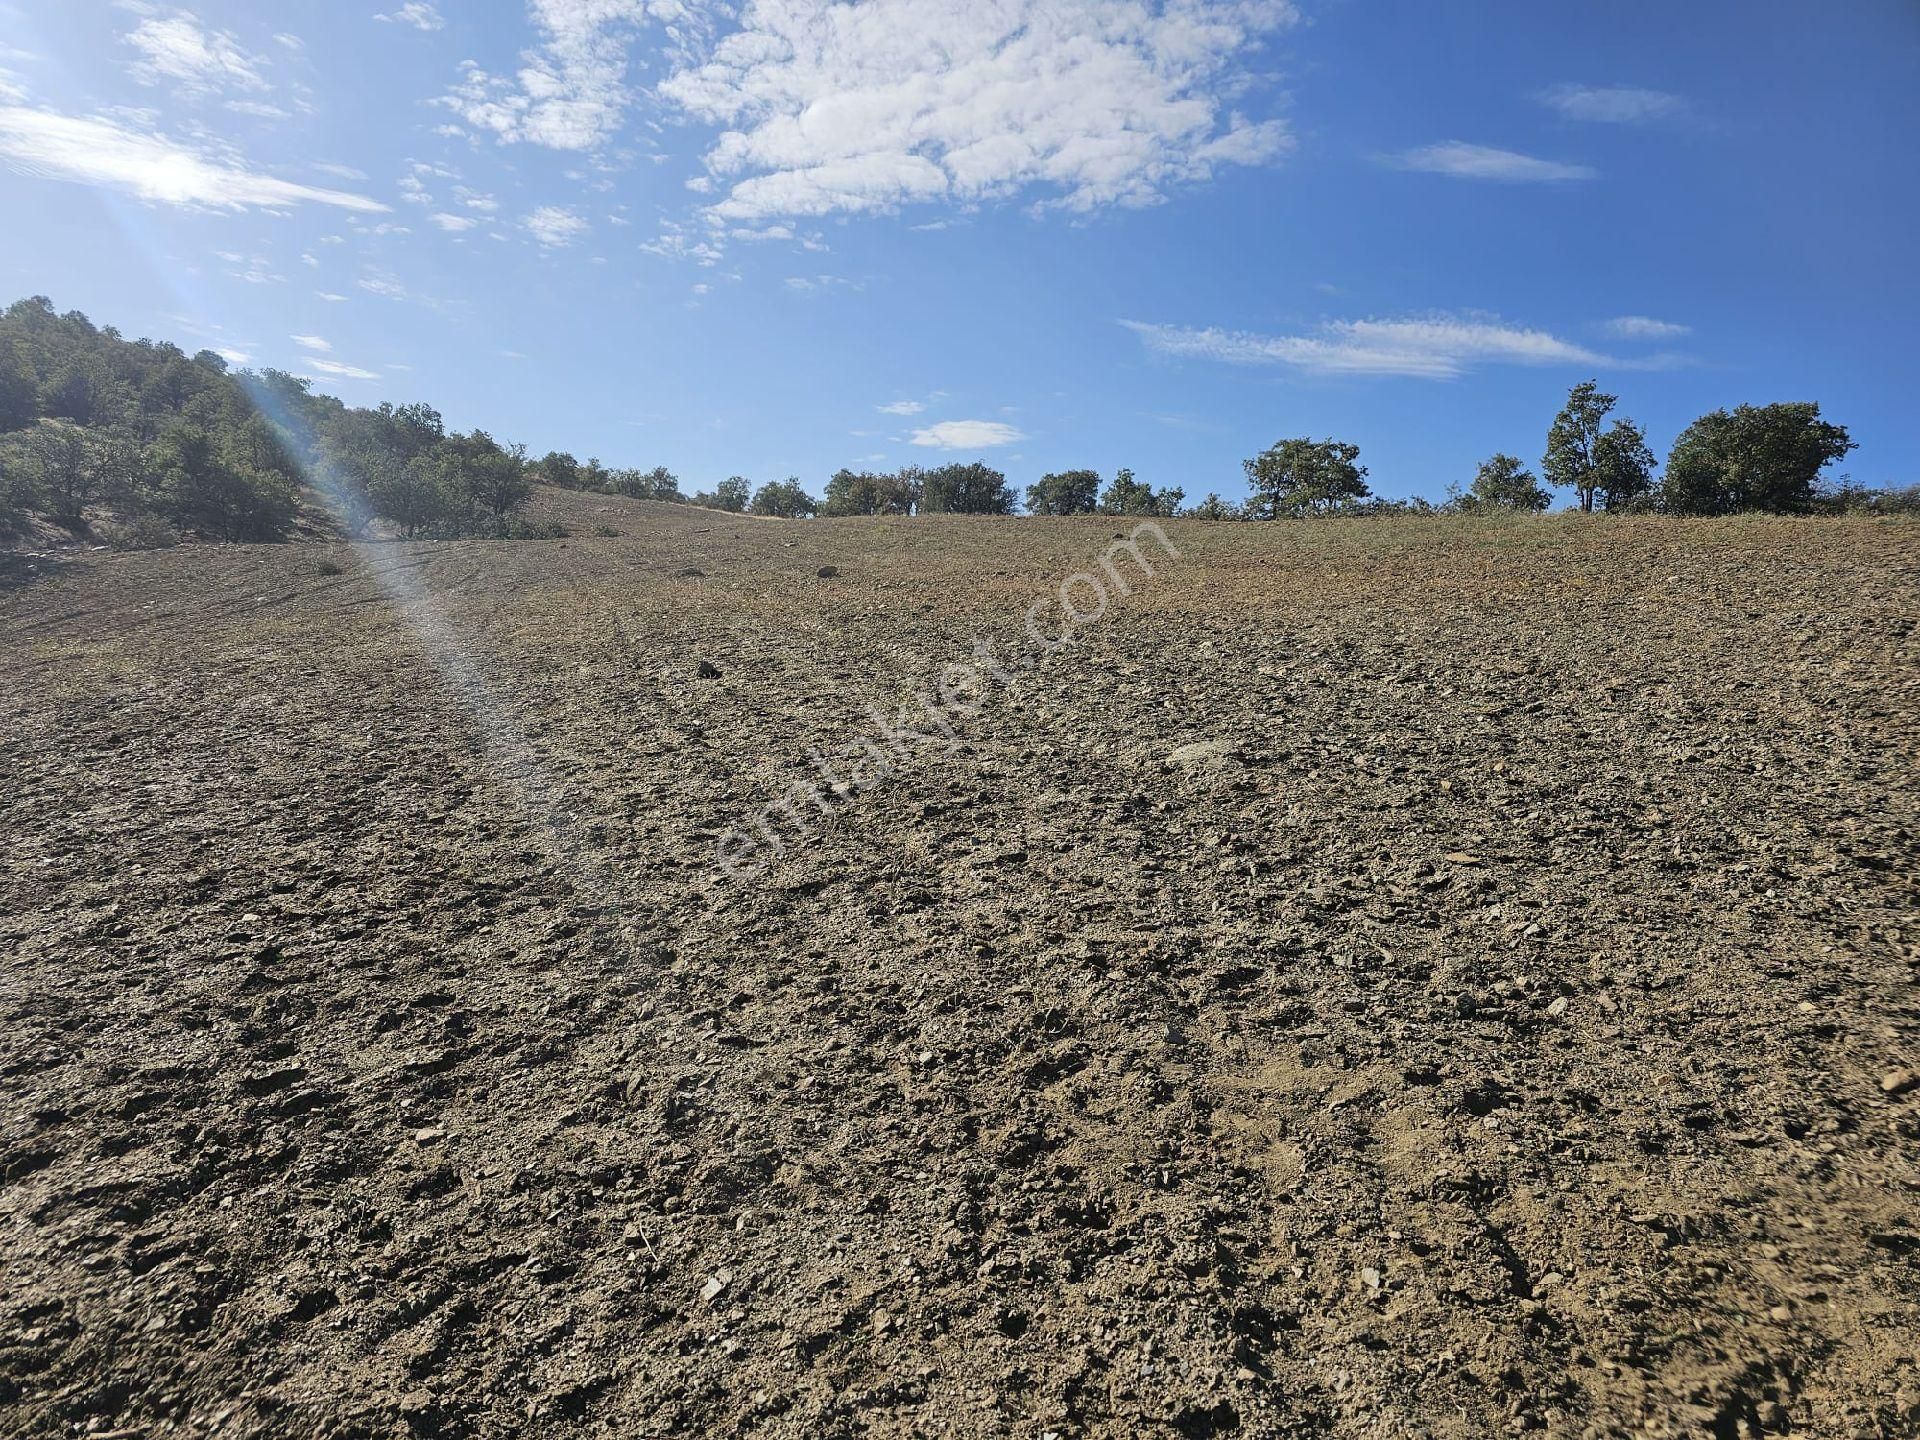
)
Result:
{"points": [[1431, 979]]}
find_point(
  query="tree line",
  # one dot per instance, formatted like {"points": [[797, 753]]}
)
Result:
{"points": [[144, 443]]}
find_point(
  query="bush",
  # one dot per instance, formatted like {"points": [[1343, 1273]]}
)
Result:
{"points": [[141, 532]]}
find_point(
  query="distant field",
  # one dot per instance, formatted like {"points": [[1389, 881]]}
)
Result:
{"points": [[1409, 977]]}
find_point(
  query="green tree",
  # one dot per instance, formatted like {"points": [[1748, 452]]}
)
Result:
{"points": [[1067, 492], [60, 466], [974, 488], [731, 494], [785, 499], [852, 492], [1572, 439], [1503, 482], [1214, 508], [1622, 465], [1756, 457], [413, 494], [557, 467], [1130, 496], [206, 491], [1305, 477]]}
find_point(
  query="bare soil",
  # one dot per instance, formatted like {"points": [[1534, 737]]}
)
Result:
{"points": [[1435, 978]]}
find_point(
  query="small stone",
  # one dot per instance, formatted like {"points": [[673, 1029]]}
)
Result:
{"points": [[1370, 1278], [882, 1322], [1781, 1314], [708, 671], [827, 572], [1898, 1082], [1460, 857], [1558, 1007], [429, 1135], [716, 1285]]}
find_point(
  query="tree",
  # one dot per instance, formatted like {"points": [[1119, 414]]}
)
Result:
{"points": [[557, 467], [204, 489], [975, 488], [1756, 457], [477, 468], [1069, 492], [785, 499], [61, 465], [731, 495], [1503, 482], [1622, 465], [1129, 496], [413, 495], [1305, 477], [658, 483], [863, 493], [1572, 438], [1214, 508]]}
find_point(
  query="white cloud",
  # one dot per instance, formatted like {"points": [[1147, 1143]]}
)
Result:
{"points": [[1432, 348], [831, 108], [177, 47], [311, 342], [552, 225], [570, 92], [289, 41], [1612, 104], [338, 171], [417, 14], [330, 297], [1482, 162], [377, 282], [453, 224], [1644, 327], [901, 407], [967, 435], [340, 371], [97, 151]]}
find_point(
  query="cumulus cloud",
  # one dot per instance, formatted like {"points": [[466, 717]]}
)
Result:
{"points": [[831, 108], [175, 47], [1430, 348], [1483, 162], [98, 151], [417, 14], [552, 225], [1612, 104], [967, 435], [1644, 327]]}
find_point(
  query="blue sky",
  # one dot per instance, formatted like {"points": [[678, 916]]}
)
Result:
{"points": [[782, 236]]}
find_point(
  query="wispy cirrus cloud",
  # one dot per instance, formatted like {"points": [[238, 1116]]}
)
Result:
{"points": [[419, 15], [967, 435], [901, 407], [98, 151], [1644, 327], [1437, 347], [1483, 162], [1612, 104], [339, 370], [174, 47]]}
